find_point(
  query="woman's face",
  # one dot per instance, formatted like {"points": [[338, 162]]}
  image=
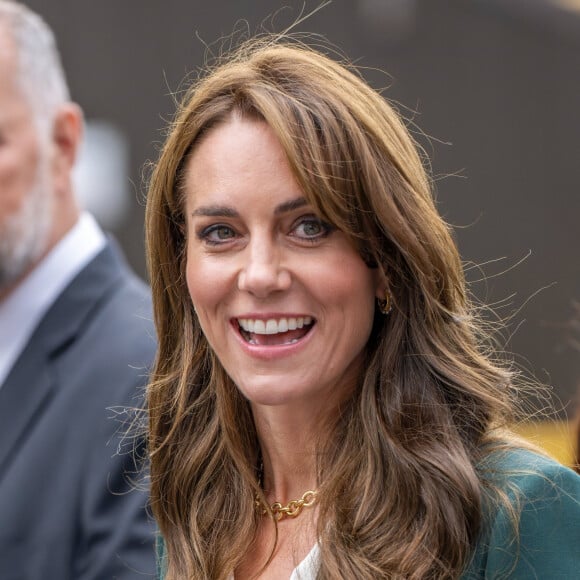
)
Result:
{"points": [[283, 298]]}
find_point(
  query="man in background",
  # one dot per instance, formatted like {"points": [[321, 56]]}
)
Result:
{"points": [[76, 341]]}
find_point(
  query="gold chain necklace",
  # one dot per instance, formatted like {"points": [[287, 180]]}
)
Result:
{"points": [[291, 510]]}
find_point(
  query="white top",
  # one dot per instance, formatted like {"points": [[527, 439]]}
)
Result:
{"points": [[27, 304], [307, 569]]}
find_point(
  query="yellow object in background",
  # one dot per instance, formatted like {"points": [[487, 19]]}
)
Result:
{"points": [[555, 437]]}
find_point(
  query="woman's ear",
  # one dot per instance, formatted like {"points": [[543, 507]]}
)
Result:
{"points": [[381, 284], [383, 292]]}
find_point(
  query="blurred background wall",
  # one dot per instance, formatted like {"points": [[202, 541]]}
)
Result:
{"points": [[494, 84]]}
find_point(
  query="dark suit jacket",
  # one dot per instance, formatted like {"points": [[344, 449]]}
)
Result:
{"points": [[66, 506]]}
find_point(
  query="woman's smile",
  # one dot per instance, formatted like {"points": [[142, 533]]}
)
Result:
{"points": [[275, 331]]}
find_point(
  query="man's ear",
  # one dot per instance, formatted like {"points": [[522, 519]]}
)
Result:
{"points": [[67, 130]]}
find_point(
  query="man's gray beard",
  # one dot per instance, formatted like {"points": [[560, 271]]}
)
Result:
{"points": [[23, 236]]}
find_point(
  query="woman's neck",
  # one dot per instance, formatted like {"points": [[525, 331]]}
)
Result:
{"points": [[289, 443]]}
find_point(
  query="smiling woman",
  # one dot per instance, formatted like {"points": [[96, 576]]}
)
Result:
{"points": [[324, 404]]}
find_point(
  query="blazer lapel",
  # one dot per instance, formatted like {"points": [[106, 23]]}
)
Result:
{"points": [[30, 386], [26, 392]]}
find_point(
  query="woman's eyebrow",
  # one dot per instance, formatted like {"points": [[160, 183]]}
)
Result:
{"points": [[215, 211], [290, 205], [226, 211]]}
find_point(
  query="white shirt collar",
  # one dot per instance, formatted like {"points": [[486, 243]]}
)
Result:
{"points": [[27, 304], [307, 569]]}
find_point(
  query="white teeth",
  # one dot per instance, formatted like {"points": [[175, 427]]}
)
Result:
{"points": [[273, 326], [259, 327]]}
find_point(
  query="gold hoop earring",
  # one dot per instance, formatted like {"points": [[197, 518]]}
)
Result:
{"points": [[386, 305]]}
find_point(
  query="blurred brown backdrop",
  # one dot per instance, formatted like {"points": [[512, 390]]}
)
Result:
{"points": [[494, 83]]}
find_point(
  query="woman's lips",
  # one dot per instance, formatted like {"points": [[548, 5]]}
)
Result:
{"points": [[275, 331]]}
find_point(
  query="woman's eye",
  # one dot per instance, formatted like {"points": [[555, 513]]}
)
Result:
{"points": [[217, 234], [311, 229]]}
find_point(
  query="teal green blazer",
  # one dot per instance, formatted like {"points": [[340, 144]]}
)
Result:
{"points": [[544, 543]]}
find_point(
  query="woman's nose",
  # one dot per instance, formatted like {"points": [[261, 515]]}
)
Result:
{"points": [[262, 272]]}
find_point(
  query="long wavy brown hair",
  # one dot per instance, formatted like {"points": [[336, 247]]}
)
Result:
{"points": [[401, 494]]}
